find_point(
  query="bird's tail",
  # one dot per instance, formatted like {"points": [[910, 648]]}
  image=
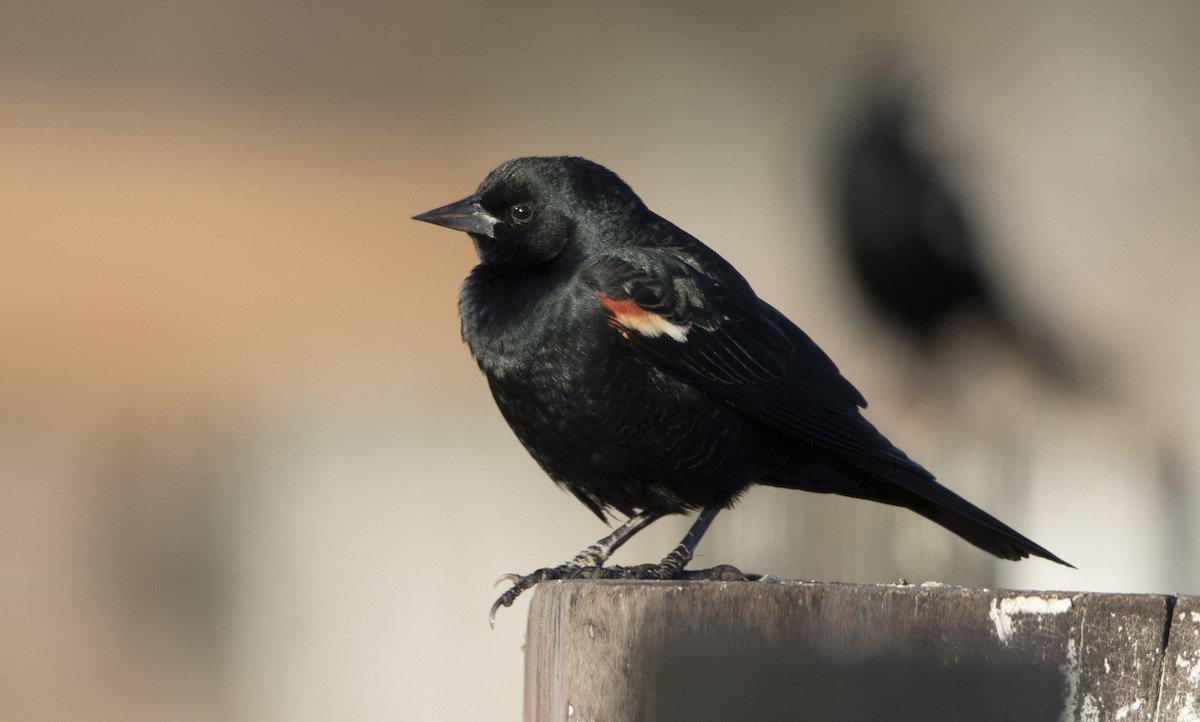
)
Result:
{"points": [[916, 489], [985, 531], [903, 482]]}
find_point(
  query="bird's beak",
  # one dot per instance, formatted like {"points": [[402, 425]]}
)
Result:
{"points": [[465, 215]]}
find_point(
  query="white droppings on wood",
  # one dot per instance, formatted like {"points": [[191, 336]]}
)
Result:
{"points": [[1003, 611], [1070, 671], [1192, 666], [1188, 710], [1134, 706]]}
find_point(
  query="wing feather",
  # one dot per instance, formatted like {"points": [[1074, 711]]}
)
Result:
{"points": [[735, 347]]}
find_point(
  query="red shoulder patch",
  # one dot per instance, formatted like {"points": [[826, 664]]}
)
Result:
{"points": [[622, 309], [625, 313]]}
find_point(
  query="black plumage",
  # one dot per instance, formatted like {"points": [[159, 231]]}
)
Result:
{"points": [[645, 376]]}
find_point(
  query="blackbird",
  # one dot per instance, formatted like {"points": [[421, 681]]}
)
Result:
{"points": [[915, 250], [907, 235], [645, 376]]}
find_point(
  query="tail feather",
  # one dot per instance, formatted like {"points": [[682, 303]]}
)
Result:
{"points": [[899, 481], [916, 489], [987, 532]]}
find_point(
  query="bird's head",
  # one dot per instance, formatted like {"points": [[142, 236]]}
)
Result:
{"points": [[531, 211]]}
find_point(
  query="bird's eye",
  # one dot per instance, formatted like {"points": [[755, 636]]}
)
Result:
{"points": [[521, 212]]}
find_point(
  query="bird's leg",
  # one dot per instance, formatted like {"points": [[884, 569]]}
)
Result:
{"points": [[591, 558], [598, 553], [671, 567]]}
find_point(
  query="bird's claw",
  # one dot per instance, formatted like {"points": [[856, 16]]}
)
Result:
{"points": [[521, 583], [510, 577]]}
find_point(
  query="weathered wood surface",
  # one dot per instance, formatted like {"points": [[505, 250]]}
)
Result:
{"points": [[610, 651], [1179, 700]]}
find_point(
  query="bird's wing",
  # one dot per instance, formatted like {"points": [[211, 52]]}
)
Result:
{"points": [[690, 315]]}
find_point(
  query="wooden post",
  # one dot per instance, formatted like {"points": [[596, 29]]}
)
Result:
{"points": [[616, 651]]}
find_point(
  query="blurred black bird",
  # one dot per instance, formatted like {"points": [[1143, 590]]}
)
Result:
{"points": [[909, 240], [906, 233], [644, 375]]}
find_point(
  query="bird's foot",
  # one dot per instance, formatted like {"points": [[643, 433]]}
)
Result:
{"points": [[588, 565], [719, 573], [669, 568], [573, 569]]}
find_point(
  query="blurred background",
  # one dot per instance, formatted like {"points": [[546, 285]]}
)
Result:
{"points": [[249, 472]]}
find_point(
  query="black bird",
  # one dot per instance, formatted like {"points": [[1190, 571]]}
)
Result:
{"points": [[907, 235], [911, 243], [644, 375]]}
